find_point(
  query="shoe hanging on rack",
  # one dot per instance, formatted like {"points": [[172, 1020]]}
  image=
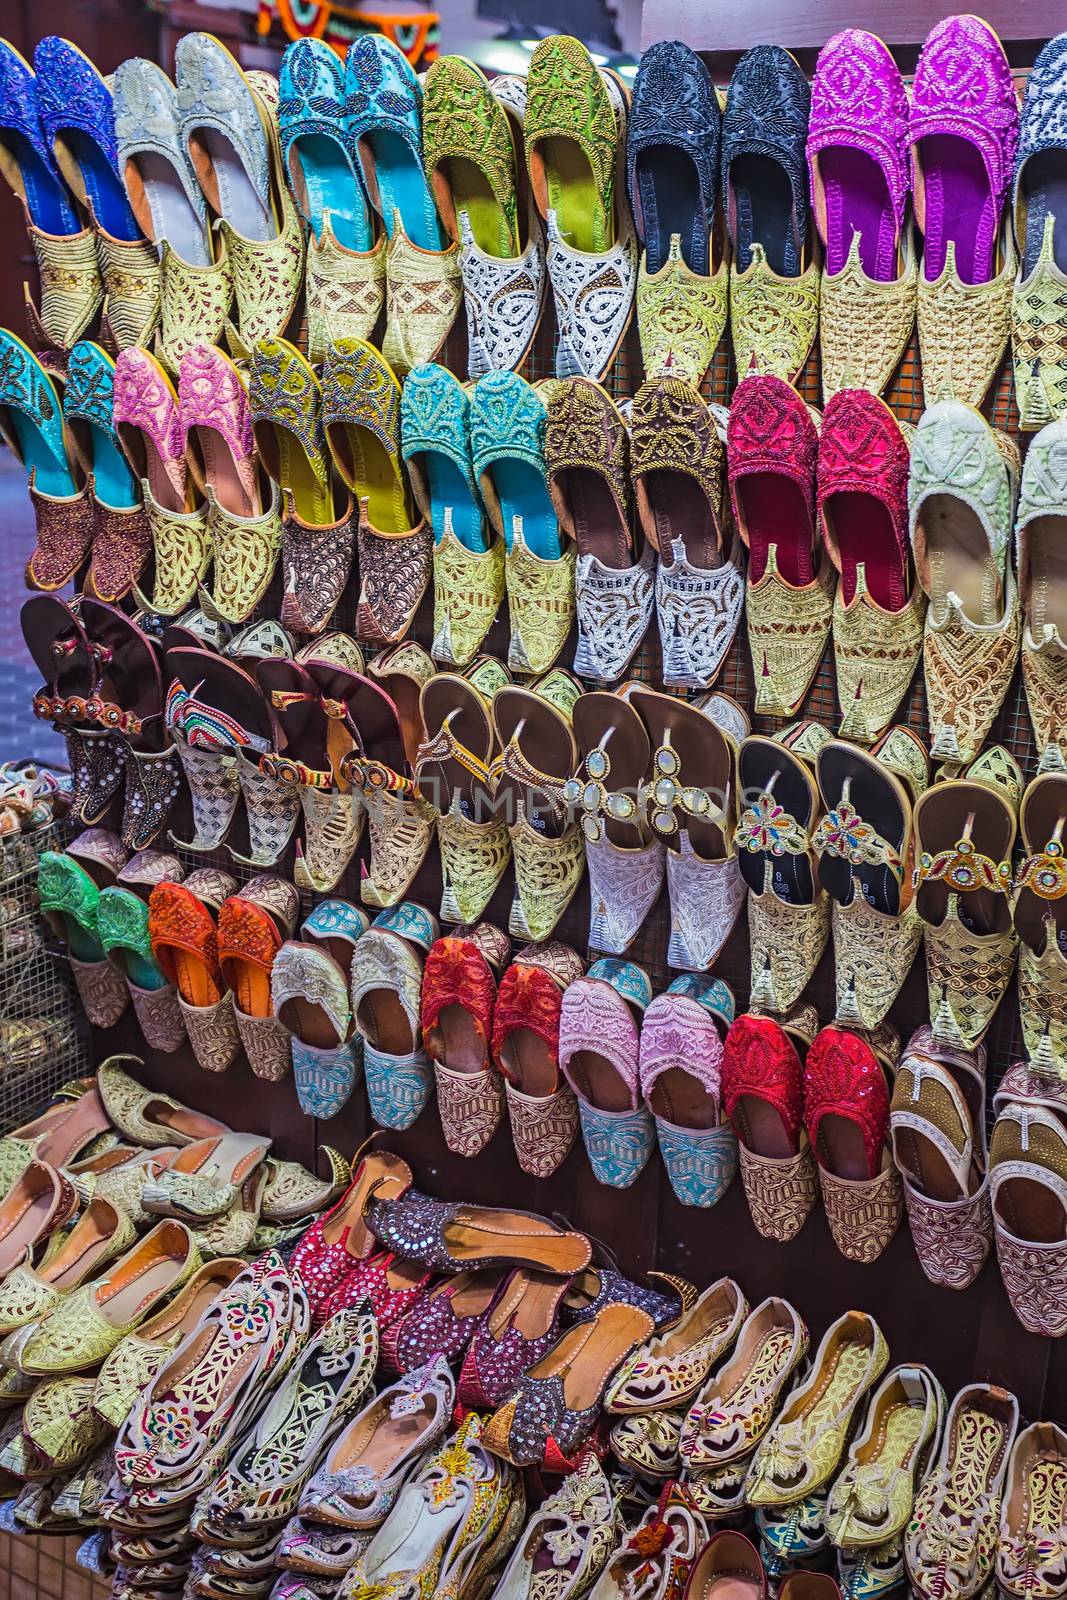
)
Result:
{"points": [[121, 538], [1039, 530], [252, 926], [763, 1094], [1027, 1189], [860, 167], [598, 1055], [963, 126], [774, 271], [542, 1110], [459, 987], [673, 179], [1038, 920], [122, 928], [575, 136], [310, 999], [183, 927], [31, 420], [1037, 343], [682, 1088], [387, 972]]}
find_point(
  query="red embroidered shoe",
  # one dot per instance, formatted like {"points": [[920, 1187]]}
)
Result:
{"points": [[541, 1106], [763, 1095], [392, 1286], [336, 1244], [252, 926], [458, 997], [862, 496], [846, 1113]]}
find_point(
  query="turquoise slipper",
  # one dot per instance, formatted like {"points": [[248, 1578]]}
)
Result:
{"points": [[435, 442], [88, 405], [321, 166], [507, 430], [383, 108], [31, 418], [78, 119]]}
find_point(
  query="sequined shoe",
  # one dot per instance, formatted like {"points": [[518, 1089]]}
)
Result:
{"points": [[860, 180], [121, 540], [576, 123], [963, 145], [762, 1091], [184, 935], [598, 1052], [458, 996], [310, 998], [961, 523], [335, 1244], [965, 832], [681, 1085], [542, 1110], [31, 418], [772, 445], [846, 1114], [387, 970]]}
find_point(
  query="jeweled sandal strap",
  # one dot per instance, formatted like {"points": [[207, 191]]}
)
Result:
{"points": [[668, 795], [206, 727], [85, 708], [768, 826], [598, 802], [963, 868], [1045, 874], [444, 746], [511, 763], [843, 833]]}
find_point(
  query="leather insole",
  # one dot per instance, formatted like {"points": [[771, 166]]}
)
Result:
{"points": [[147, 463], [235, 491], [448, 695], [380, 1176], [861, 527], [23, 1216], [598, 522], [589, 1352], [597, 1081], [546, 741], [628, 751], [529, 1063], [682, 1100], [125, 1303], [82, 1248], [941, 816], [878, 797], [841, 1149], [527, 1241], [464, 1046], [959, 559], [529, 1304], [761, 1128], [384, 1023], [706, 761]]}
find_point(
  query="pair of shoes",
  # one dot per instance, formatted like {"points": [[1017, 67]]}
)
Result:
{"points": [[210, 140], [473, 147], [658, 786], [459, 992], [665, 1084]]}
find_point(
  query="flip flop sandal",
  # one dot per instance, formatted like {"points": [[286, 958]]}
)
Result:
{"points": [[121, 538], [309, 994], [206, 735], [677, 461], [327, 184], [772, 444], [1039, 921], [122, 929], [587, 452], [130, 687], [624, 857], [311, 746], [879, 608], [60, 649], [184, 934], [361, 419], [537, 759], [849, 1133], [762, 1094], [459, 988], [1029, 1197], [937, 1128], [469, 155], [78, 120], [598, 1056], [575, 137], [286, 406], [965, 833], [694, 772], [452, 771], [541, 1106], [468, 558], [69, 902], [148, 424], [865, 852], [387, 970], [961, 536], [507, 421], [252, 925], [962, 157], [32, 423], [337, 1243], [681, 1086], [158, 175]]}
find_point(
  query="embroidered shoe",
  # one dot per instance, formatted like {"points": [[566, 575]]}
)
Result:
{"points": [[860, 168], [581, 1517], [157, 169], [508, 422], [846, 1115], [252, 925], [70, 901], [677, 461], [1030, 1550], [681, 1061], [468, 560], [458, 995], [1026, 1185], [879, 607], [31, 418], [587, 451], [121, 540], [576, 124], [309, 997], [387, 972], [70, 276], [963, 128], [774, 277], [738, 1402], [762, 1094], [286, 403], [1036, 916], [871, 1500], [669, 1370], [122, 928], [772, 447], [598, 1055], [961, 501], [1040, 294], [1042, 498], [682, 281], [541, 1106], [361, 419]]}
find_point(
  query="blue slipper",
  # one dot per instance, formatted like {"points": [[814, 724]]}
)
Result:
{"points": [[79, 123], [89, 400], [435, 442], [383, 106], [30, 167], [507, 429], [31, 418], [322, 168]]}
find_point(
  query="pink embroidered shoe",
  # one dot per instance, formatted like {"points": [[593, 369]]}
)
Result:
{"points": [[215, 410], [598, 1054], [148, 421], [681, 1064]]}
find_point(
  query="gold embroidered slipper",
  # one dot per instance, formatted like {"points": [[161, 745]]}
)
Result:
{"points": [[1030, 1556], [788, 911], [538, 757], [1040, 531], [361, 420], [961, 499], [1040, 919], [965, 832], [864, 846], [286, 405], [453, 774], [871, 1500], [469, 155]]}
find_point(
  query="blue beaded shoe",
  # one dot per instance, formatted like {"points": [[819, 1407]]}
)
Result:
{"points": [[321, 162], [78, 119]]}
